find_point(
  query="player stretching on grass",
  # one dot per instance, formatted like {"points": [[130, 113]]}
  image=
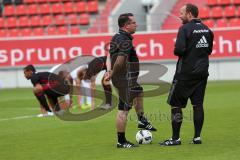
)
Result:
{"points": [[49, 84]]}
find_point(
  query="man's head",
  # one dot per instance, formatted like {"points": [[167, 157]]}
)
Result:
{"points": [[28, 71], [188, 12], [127, 23]]}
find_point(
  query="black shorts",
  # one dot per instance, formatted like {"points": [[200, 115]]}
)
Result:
{"points": [[60, 90], [181, 90], [127, 91], [94, 67]]}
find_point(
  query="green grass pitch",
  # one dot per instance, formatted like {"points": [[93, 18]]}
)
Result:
{"points": [[49, 138]]}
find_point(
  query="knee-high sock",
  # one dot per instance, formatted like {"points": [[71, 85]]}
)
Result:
{"points": [[43, 101], [108, 93], [177, 118], [198, 118]]}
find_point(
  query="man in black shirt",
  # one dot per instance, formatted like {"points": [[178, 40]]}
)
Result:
{"points": [[49, 84], [125, 71], [193, 46]]}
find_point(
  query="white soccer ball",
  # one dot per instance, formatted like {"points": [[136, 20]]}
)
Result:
{"points": [[144, 137]]}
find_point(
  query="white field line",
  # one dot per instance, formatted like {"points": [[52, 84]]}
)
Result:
{"points": [[17, 118]]}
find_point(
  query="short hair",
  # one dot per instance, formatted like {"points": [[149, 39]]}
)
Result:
{"points": [[29, 67], [191, 8], [124, 19]]}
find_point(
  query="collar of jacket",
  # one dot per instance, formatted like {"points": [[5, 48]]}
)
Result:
{"points": [[126, 33], [196, 20]]}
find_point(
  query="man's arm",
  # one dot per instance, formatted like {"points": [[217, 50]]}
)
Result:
{"points": [[120, 63], [180, 45], [108, 63], [211, 43], [108, 66]]}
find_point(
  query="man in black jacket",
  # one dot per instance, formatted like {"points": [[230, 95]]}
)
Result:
{"points": [[193, 46]]}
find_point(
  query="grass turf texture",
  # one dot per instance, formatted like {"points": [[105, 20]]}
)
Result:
{"points": [[49, 138]]}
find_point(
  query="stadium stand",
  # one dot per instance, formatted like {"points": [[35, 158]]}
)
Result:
{"points": [[214, 13], [54, 16], [101, 23], [68, 17]]}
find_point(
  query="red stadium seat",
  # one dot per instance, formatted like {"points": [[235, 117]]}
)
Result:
{"points": [[222, 23], [44, 8], [75, 30], [230, 11], [212, 2], [73, 19], [35, 21], [52, 30], [3, 33], [81, 7], [234, 22], [38, 31], [53, 0], [13, 32], [92, 6], [236, 2], [57, 8], [238, 11], [69, 7], [224, 2], [1, 22], [204, 12], [84, 19], [29, 1], [26, 32], [217, 12], [9, 10], [209, 23], [11, 22], [63, 30], [60, 19], [32, 9], [47, 20], [23, 21], [20, 10]]}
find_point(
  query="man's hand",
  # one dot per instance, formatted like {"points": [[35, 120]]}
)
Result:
{"points": [[108, 75], [106, 78], [38, 89]]}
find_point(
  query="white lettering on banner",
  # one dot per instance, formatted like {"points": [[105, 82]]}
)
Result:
{"points": [[16, 56], [139, 51], [99, 50], [223, 42], [73, 50], [3, 56], [41, 54], [154, 46], [29, 52], [238, 46], [57, 52]]}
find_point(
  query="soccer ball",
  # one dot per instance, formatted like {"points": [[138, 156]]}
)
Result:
{"points": [[144, 137]]}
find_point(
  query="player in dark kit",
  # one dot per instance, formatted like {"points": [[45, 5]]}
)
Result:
{"points": [[193, 46], [49, 84], [125, 71], [89, 72]]}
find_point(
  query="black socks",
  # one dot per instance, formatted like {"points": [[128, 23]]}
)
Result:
{"points": [[198, 119], [121, 137], [177, 118]]}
